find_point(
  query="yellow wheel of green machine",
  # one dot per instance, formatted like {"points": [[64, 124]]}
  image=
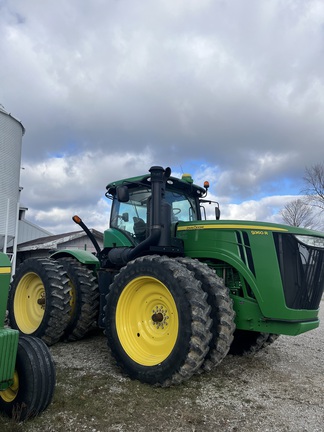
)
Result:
{"points": [[10, 394], [157, 321], [33, 382], [39, 300], [147, 321], [29, 302]]}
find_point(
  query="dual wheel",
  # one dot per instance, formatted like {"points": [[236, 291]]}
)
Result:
{"points": [[33, 382], [166, 319], [53, 299]]}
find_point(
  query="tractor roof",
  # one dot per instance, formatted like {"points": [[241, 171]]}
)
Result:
{"points": [[184, 184]]}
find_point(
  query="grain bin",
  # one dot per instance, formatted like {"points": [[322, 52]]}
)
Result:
{"points": [[11, 132]]}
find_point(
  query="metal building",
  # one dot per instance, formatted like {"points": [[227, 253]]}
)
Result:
{"points": [[11, 133]]}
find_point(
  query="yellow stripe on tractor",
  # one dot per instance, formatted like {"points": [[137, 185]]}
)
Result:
{"points": [[5, 270], [230, 226]]}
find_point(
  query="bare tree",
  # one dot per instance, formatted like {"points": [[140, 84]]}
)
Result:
{"points": [[314, 185], [298, 213]]}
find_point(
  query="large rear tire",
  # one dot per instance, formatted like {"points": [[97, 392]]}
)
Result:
{"points": [[34, 381], [84, 302], [39, 299], [157, 321], [249, 342], [222, 312]]}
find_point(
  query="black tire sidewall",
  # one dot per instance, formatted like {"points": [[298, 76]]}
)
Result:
{"points": [[222, 313], [80, 278], [36, 375]]}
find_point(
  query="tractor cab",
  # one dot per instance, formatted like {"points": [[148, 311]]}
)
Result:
{"points": [[136, 202], [132, 216]]}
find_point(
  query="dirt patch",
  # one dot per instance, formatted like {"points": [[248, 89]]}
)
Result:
{"points": [[278, 389]]}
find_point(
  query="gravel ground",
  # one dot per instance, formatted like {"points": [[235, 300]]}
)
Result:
{"points": [[278, 389]]}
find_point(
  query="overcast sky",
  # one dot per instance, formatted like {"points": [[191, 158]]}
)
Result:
{"points": [[230, 91]]}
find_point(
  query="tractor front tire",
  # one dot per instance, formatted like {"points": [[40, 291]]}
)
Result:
{"points": [[222, 312], [39, 300], [34, 381], [157, 321], [84, 301], [249, 342]]}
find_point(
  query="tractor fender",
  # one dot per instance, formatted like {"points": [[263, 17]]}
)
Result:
{"points": [[82, 256]]}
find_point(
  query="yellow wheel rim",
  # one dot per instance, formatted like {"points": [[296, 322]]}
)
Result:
{"points": [[72, 293], [29, 303], [147, 321], [11, 392]]}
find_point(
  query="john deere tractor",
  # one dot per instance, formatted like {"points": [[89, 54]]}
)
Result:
{"points": [[173, 291], [27, 373]]}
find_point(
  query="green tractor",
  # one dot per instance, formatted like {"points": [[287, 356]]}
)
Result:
{"points": [[173, 291], [27, 372]]}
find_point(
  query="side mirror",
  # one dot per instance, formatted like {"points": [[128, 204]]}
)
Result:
{"points": [[125, 217], [122, 193], [217, 213]]}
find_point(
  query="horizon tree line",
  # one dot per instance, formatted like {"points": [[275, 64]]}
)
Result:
{"points": [[307, 211]]}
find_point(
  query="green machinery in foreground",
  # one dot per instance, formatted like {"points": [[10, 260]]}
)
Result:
{"points": [[175, 292], [27, 373]]}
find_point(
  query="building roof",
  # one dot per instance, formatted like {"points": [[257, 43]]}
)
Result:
{"points": [[50, 242], [27, 231]]}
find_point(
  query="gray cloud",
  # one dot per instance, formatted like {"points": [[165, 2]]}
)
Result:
{"points": [[108, 87]]}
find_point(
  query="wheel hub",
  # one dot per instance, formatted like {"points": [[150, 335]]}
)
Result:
{"points": [[160, 317], [42, 301]]}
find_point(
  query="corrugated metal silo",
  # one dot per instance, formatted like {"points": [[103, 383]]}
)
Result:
{"points": [[11, 132]]}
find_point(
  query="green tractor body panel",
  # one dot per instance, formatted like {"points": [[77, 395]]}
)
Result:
{"points": [[115, 238], [8, 337], [82, 256], [247, 255]]}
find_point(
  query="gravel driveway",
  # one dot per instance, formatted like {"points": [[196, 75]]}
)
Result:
{"points": [[278, 389]]}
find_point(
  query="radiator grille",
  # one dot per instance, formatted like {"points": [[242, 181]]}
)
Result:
{"points": [[302, 272]]}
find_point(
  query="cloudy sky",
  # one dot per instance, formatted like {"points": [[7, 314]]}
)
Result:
{"points": [[231, 91]]}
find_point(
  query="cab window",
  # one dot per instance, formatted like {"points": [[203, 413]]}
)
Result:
{"points": [[131, 216], [183, 207]]}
